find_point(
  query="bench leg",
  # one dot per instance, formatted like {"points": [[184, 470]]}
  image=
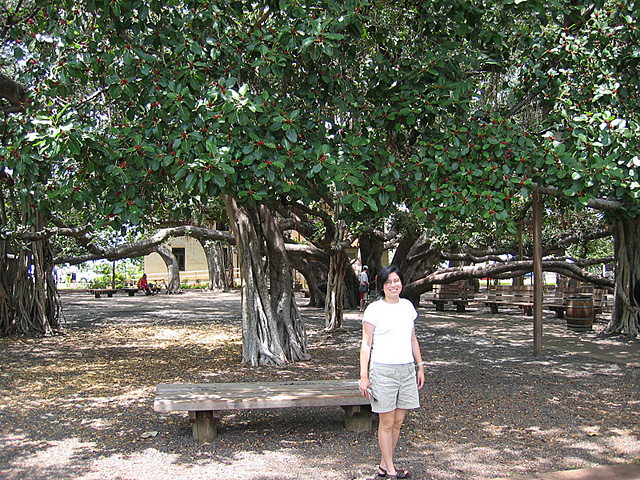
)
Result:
{"points": [[110, 294], [205, 425], [528, 311], [460, 307], [439, 306], [493, 308], [358, 418], [97, 294]]}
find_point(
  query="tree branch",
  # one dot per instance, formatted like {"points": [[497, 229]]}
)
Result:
{"points": [[596, 203], [143, 247], [504, 270]]}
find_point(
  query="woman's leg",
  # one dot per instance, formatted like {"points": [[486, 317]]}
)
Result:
{"points": [[385, 440], [388, 434]]}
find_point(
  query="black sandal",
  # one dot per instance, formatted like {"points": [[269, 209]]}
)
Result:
{"points": [[400, 473]]}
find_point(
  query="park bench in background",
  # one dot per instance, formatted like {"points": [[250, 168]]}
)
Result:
{"points": [[97, 292], [131, 290], [558, 299], [512, 295], [206, 401], [458, 293]]}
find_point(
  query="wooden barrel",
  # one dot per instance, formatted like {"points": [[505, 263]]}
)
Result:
{"points": [[580, 314]]}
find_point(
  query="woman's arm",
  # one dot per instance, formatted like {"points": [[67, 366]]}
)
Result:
{"points": [[417, 356], [365, 356]]}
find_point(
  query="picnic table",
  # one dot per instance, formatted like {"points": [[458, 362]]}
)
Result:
{"points": [[205, 402]]}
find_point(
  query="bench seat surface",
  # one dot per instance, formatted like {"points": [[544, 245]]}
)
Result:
{"points": [[241, 396]]}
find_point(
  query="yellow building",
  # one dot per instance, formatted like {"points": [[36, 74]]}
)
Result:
{"points": [[192, 262]]}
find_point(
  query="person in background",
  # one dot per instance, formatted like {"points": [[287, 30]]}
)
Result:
{"points": [[144, 285], [364, 286], [387, 370]]}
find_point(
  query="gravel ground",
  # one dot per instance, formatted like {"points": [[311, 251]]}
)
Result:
{"points": [[79, 406]]}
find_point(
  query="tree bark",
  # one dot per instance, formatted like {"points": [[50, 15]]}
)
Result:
{"points": [[313, 264], [217, 265], [173, 272], [414, 257], [14, 92], [338, 263], [272, 330], [371, 248], [625, 317], [29, 300], [334, 308]]}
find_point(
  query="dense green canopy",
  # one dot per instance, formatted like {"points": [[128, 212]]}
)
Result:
{"points": [[450, 108]]}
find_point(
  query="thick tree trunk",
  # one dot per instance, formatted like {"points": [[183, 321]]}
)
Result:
{"points": [[313, 264], [334, 308], [414, 257], [173, 272], [351, 297], [272, 330], [338, 263], [625, 317], [371, 248], [217, 265], [29, 300]]}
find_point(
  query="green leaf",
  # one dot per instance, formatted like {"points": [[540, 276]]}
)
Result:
{"points": [[190, 181], [292, 135]]}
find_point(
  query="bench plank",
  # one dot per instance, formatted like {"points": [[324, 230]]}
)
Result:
{"points": [[205, 401], [242, 396]]}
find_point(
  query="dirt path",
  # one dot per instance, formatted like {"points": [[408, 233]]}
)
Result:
{"points": [[79, 406]]}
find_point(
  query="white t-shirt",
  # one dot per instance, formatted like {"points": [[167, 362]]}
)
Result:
{"points": [[364, 278], [393, 331]]}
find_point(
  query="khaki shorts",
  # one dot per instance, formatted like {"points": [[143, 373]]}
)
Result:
{"points": [[393, 386]]}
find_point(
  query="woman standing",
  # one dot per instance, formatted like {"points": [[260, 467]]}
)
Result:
{"points": [[387, 371]]}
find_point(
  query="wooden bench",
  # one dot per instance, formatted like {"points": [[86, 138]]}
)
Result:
{"points": [[514, 295], [206, 401], [97, 292], [555, 300], [458, 293], [558, 300], [131, 290]]}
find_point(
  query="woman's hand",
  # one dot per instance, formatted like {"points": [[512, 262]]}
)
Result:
{"points": [[364, 385], [420, 377]]}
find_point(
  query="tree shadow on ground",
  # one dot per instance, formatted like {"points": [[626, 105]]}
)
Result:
{"points": [[80, 405]]}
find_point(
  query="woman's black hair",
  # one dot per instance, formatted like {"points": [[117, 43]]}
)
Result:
{"points": [[383, 275]]}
